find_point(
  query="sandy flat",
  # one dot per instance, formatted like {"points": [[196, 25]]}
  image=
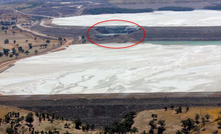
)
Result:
{"points": [[92, 69]]}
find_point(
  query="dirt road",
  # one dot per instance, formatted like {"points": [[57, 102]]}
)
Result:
{"points": [[34, 32]]}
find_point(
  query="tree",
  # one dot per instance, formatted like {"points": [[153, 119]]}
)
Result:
{"points": [[39, 119], [177, 111], [77, 123], [13, 50], [60, 39], [23, 129], [207, 117], [67, 132], [219, 123], [83, 128], [215, 132], [48, 41], [66, 125], [1, 54], [30, 45], [29, 118], [203, 121], [197, 116], [180, 109], [6, 41], [87, 127], [160, 130], [172, 107], [152, 124], [20, 49], [144, 132], [27, 52], [196, 129], [134, 130], [6, 51], [187, 109], [37, 114], [165, 108], [151, 131], [92, 127], [11, 55], [9, 130], [178, 132], [7, 118], [45, 45], [161, 123], [53, 114], [50, 132], [187, 124], [47, 116], [26, 41], [14, 41], [0, 121], [154, 116]]}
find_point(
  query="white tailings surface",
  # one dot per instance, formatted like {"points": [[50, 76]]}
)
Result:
{"points": [[92, 69], [157, 18]]}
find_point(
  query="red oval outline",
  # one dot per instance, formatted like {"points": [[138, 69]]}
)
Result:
{"points": [[116, 47]]}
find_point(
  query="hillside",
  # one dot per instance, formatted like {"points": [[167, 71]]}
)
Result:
{"points": [[16, 121], [173, 120], [155, 4]]}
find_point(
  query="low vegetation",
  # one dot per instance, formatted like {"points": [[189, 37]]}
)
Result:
{"points": [[173, 8], [115, 10], [214, 7], [31, 4], [124, 126]]}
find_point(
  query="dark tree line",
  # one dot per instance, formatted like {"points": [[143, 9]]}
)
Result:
{"points": [[214, 7], [115, 10], [174, 8]]}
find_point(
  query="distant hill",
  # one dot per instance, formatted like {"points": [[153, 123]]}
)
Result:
{"points": [[155, 4]]}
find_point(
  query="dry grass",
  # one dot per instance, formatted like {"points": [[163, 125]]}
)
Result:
{"points": [[59, 125], [6, 109], [21, 38], [173, 120], [13, 6], [44, 125]]}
